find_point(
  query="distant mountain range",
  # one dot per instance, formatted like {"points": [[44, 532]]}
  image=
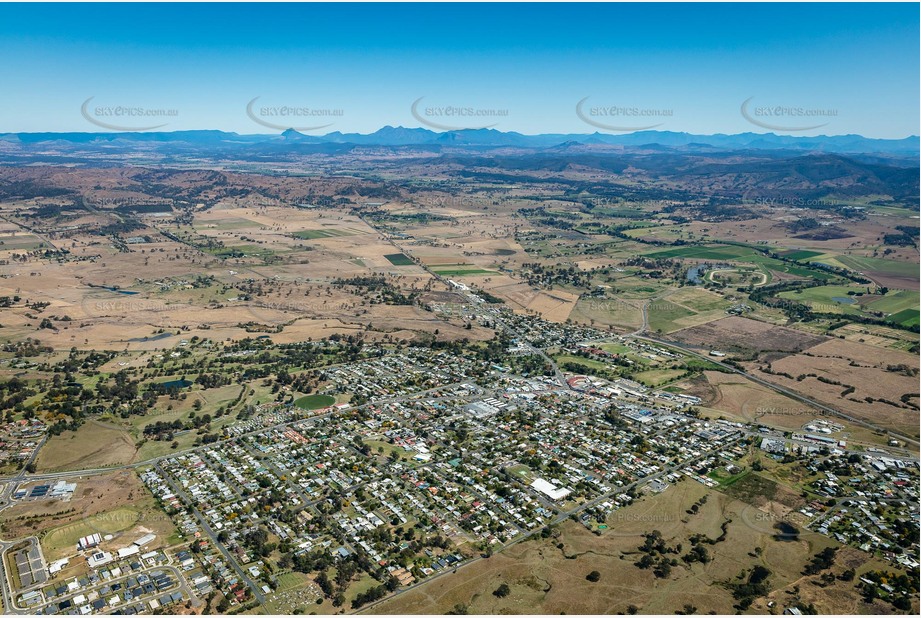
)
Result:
{"points": [[479, 139]]}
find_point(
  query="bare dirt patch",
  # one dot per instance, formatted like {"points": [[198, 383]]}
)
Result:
{"points": [[745, 336]]}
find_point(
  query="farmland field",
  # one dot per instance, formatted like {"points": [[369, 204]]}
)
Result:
{"points": [[460, 270], [399, 259], [800, 254], [315, 234]]}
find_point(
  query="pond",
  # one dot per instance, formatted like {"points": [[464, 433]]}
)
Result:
{"points": [[176, 384], [785, 532], [115, 289], [154, 338]]}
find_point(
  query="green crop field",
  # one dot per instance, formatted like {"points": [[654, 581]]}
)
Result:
{"points": [[399, 259], [865, 264], [908, 317], [455, 270], [896, 301], [801, 254], [698, 299], [714, 252], [315, 234], [828, 298], [663, 315]]}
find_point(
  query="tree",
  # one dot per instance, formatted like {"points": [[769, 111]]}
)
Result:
{"points": [[502, 591], [593, 576]]}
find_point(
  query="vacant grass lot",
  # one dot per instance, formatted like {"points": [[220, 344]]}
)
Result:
{"points": [[93, 445], [315, 401]]}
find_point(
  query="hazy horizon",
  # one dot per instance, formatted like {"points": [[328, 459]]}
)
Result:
{"points": [[269, 133], [830, 69]]}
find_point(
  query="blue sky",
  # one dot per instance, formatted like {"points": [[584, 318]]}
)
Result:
{"points": [[852, 67]]}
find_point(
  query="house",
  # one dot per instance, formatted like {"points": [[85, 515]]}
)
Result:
{"points": [[98, 559]]}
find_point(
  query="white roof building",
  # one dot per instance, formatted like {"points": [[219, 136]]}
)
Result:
{"points": [[99, 558], [549, 489], [131, 550], [147, 539]]}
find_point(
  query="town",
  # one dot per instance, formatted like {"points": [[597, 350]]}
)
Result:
{"points": [[439, 459]]}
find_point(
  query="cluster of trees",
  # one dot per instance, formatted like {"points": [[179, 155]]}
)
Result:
{"points": [[655, 555], [27, 348], [750, 586], [387, 293], [656, 268], [821, 561], [164, 430], [547, 275], [13, 393], [258, 541]]}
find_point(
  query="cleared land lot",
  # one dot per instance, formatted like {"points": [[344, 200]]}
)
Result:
{"points": [[113, 503], [745, 336], [862, 380], [93, 445], [740, 398]]}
